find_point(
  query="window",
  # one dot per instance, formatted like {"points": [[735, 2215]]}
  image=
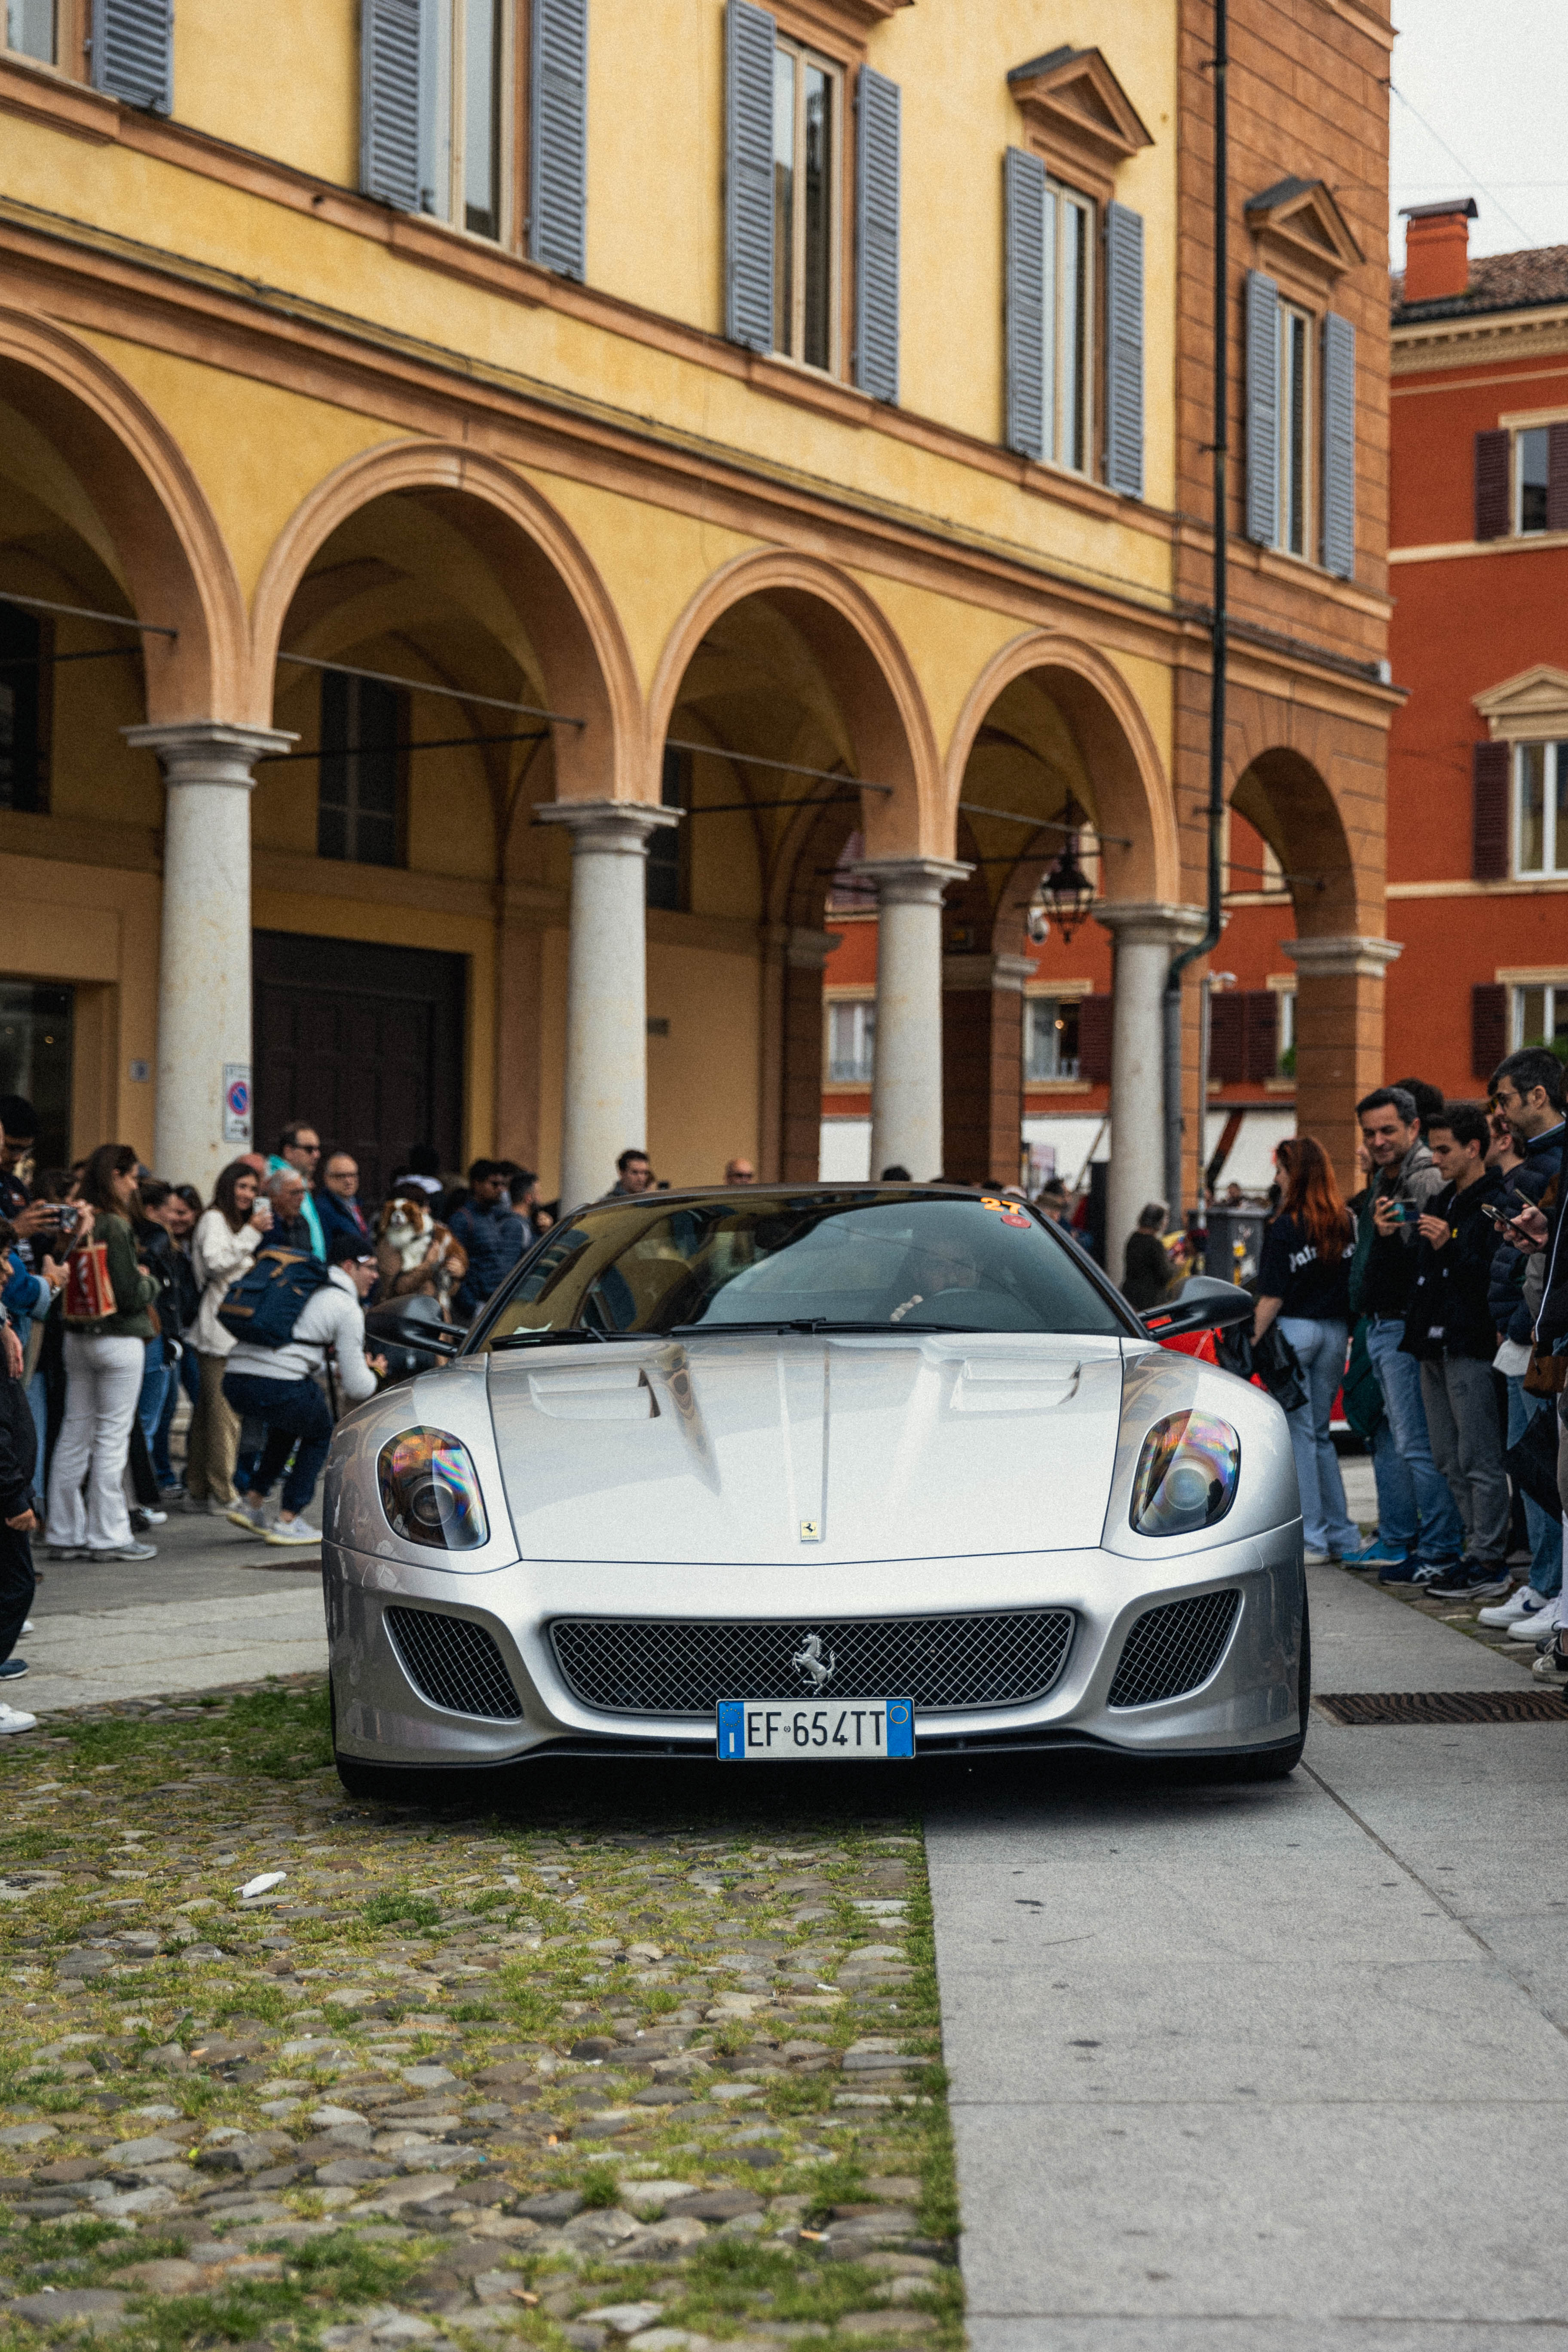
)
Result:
{"points": [[806, 109], [1069, 312], [852, 1041], [462, 71], [1540, 1015], [1050, 1038], [30, 27], [360, 810], [35, 1028], [1295, 429], [1285, 1032], [664, 881], [24, 706], [1531, 472], [1541, 808]]}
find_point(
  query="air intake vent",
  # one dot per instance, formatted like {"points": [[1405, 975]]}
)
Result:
{"points": [[648, 1666], [1174, 1649], [453, 1664]]}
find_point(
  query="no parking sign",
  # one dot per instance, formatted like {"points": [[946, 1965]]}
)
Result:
{"points": [[236, 1102]]}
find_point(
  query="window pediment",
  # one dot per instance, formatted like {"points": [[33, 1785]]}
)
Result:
{"points": [[1079, 115], [1300, 219], [840, 26], [1527, 709]]}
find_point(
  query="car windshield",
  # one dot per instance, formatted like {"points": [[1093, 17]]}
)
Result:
{"points": [[863, 1260]]}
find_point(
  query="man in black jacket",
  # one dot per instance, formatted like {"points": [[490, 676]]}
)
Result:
{"points": [[1449, 1330], [1527, 1090]]}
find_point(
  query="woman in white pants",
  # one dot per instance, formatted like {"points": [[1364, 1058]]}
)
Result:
{"points": [[105, 1361]]}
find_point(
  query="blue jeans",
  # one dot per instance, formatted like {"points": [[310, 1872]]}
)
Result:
{"points": [[1397, 1522], [157, 1379], [290, 1410], [1399, 1378], [1545, 1529], [187, 1375], [1320, 1351]]}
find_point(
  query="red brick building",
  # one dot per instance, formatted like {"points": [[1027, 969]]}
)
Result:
{"points": [[1478, 788]]}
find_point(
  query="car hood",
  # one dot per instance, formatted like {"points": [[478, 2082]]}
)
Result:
{"points": [[754, 1447]]}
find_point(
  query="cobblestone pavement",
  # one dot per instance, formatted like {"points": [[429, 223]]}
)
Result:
{"points": [[453, 2080]]}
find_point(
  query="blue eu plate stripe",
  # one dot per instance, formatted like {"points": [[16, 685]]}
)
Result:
{"points": [[901, 1728], [732, 1731]]}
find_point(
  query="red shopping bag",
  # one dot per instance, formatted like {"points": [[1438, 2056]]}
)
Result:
{"points": [[90, 1293]]}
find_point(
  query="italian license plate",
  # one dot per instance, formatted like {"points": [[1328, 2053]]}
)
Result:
{"points": [[865, 1731]]}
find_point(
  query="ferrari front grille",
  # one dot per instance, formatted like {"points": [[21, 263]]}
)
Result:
{"points": [[453, 1664], [1174, 1649], [635, 1665]]}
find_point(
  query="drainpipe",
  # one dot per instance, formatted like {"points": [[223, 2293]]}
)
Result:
{"points": [[1219, 449]]}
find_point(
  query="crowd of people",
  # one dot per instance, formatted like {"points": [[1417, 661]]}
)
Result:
{"points": [[1433, 1302]]}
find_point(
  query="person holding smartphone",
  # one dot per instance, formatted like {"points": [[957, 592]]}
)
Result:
{"points": [[1420, 1533], [225, 1240]]}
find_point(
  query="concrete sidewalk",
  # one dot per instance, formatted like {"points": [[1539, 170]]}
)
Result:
{"points": [[215, 1607], [1277, 2069]]}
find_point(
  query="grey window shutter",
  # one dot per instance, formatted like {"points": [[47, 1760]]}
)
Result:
{"points": [[1024, 193], [878, 104], [1493, 451], [749, 175], [389, 102], [558, 137], [134, 51], [1262, 408], [1338, 446], [1124, 350]]}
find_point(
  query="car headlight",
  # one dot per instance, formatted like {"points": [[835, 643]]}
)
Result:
{"points": [[1186, 1474], [430, 1492]]}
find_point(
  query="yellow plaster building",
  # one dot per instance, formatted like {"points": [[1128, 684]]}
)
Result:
{"points": [[501, 502]]}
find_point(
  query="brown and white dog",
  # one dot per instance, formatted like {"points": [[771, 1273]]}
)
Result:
{"points": [[416, 1256]]}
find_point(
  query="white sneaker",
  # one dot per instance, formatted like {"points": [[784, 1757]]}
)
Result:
{"points": [[293, 1531], [132, 1550], [13, 1719], [254, 1521], [1503, 1613], [26, 1624], [1531, 1623]]}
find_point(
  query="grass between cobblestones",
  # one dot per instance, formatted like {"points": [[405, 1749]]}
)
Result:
{"points": [[598, 2073]]}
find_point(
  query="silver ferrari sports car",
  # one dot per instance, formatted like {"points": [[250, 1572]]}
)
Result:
{"points": [[814, 1473]]}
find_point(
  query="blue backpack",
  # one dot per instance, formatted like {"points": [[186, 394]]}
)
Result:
{"points": [[264, 1305]]}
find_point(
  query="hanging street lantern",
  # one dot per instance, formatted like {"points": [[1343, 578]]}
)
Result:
{"points": [[1066, 891]]}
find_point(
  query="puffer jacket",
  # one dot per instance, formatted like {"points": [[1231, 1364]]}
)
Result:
{"points": [[219, 1255]]}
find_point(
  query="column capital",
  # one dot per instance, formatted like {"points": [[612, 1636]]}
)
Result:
{"points": [[1351, 955], [608, 828], [1152, 922], [208, 751], [911, 881], [808, 951], [972, 975]]}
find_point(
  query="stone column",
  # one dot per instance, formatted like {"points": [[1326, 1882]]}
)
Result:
{"points": [[1339, 1037], [604, 1108], [906, 1085], [804, 954], [983, 1065], [203, 1113], [1147, 933]]}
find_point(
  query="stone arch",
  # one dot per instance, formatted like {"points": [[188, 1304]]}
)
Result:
{"points": [[886, 723], [1113, 738], [585, 660], [1284, 795], [168, 553]]}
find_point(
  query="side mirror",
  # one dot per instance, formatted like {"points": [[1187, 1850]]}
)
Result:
{"points": [[394, 1324], [1205, 1303]]}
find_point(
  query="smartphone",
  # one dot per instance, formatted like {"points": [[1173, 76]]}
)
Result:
{"points": [[67, 1216], [1497, 1216], [1403, 1213]]}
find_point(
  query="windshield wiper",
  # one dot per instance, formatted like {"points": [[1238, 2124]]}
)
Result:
{"points": [[558, 1338], [807, 1323]]}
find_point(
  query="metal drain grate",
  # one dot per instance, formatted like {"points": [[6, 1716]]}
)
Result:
{"points": [[453, 1664], [1173, 1649], [1443, 1706]]}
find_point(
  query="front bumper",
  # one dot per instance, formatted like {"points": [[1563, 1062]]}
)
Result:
{"points": [[1247, 1703]]}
